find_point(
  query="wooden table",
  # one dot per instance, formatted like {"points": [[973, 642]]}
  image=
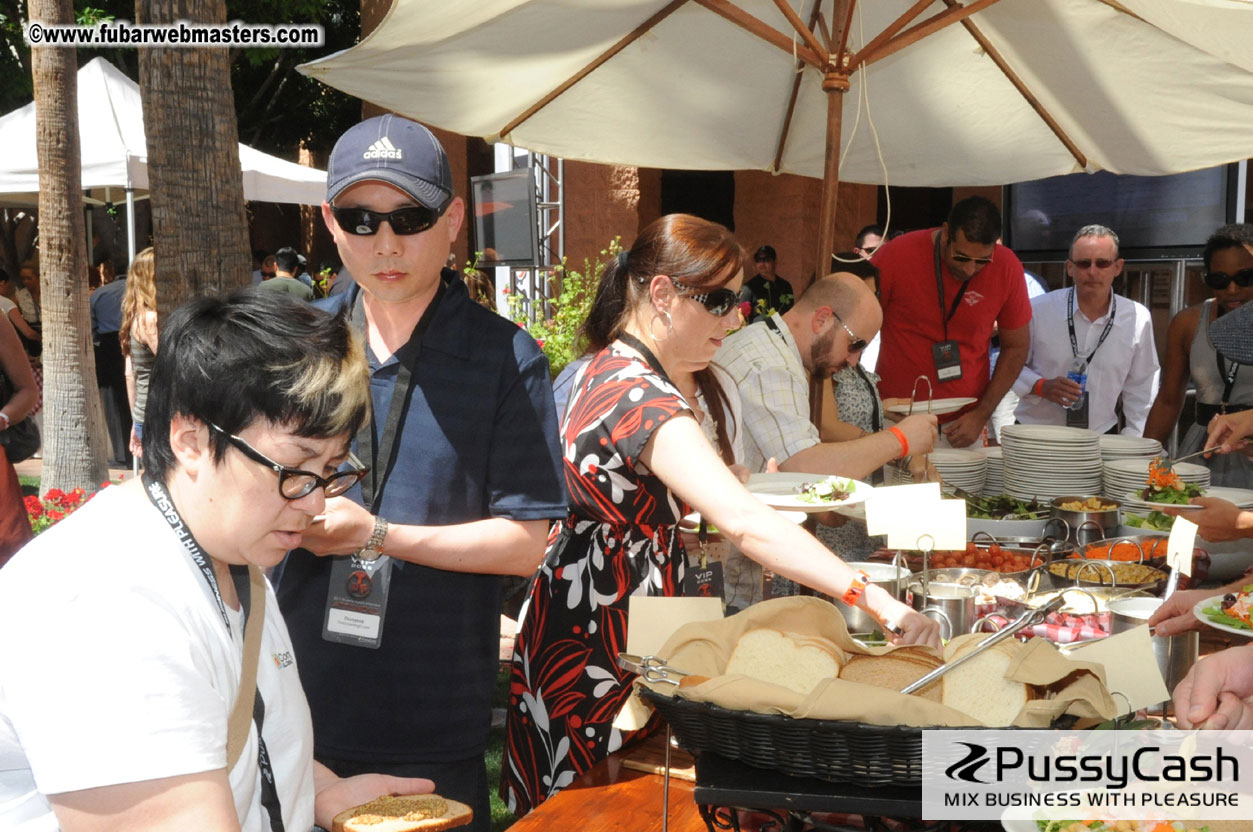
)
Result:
{"points": [[612, 798]]}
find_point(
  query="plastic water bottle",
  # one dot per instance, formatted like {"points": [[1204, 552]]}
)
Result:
{"points": [[1079, 375]]}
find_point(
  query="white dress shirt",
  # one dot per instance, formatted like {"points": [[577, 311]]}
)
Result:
{"points": [[1125, 365]]}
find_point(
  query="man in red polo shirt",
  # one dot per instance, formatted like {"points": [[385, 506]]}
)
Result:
{"points": [[944, 293]]}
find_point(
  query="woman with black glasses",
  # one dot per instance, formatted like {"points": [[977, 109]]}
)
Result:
{"points": [[1222, 385], [147, 679], [636, 462]]}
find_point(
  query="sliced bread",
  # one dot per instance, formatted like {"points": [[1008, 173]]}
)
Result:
{"points": [[794, 661], [895, 670], [404, 813], [979, 689]]}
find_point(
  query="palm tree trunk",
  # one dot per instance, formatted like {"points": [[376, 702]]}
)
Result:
{"points": [[199, 221], [71, 401]]}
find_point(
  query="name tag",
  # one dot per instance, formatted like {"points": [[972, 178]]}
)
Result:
{"points": [[356, 601], [948, 360]]}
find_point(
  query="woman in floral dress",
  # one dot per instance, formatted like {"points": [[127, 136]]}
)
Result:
{"points": [[636, 461]]}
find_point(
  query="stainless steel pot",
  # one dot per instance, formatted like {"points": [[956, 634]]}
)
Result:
{"points": [[1090, 525], [1175, 654], [893, 578], [949, 596]]}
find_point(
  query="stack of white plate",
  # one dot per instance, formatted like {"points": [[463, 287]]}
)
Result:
{"points": [[1127, 476], [1115, 446], [994, 479], [1047, 461], [964, 469]]}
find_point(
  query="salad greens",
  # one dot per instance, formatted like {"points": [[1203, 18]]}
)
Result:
{"points": [[830, 490], [1108, 826], [1155, 520], [1003, 507]]}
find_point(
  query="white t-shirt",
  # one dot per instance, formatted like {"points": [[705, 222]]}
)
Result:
{"points": [[116, 667], [6, 306]]}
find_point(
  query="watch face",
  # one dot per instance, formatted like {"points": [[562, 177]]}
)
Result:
{"points": [[368, 554]]}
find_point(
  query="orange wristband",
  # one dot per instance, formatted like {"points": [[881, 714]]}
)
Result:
{"points": [[856, 588], [1038, 389], [900, 437]]}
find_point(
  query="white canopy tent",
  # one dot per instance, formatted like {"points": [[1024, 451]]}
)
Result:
{"points": [[976, 92], [115, 155]]}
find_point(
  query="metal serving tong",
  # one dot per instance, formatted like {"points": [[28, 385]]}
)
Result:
{"points": [[1027, 619], [651, 668], [902, 465]]}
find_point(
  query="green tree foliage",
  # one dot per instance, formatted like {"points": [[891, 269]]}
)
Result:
{"points": [[277, 107]]}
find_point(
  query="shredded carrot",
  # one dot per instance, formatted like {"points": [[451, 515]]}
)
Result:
{"points": [[1162, 476], [1163, 827]]}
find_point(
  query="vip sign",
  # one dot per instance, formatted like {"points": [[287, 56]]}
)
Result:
{"points": [[1087, 775]]}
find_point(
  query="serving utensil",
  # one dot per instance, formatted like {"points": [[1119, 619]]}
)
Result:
{"points": [[1211, 450], [1027, 619], [651, 668]]}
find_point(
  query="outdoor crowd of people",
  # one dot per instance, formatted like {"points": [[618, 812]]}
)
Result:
{"points": [[391, 450]]}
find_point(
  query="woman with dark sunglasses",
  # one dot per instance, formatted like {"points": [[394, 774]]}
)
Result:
{"points": [[636, 462], [1222, 385]]}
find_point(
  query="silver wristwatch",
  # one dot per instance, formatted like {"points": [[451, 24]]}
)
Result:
{"points": [[374, 546]]}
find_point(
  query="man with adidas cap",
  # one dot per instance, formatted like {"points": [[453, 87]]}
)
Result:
{"points": [[393, 607]]}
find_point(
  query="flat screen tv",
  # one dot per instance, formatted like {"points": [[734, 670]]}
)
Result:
{"points": [[504, 212], [1154, 216]]}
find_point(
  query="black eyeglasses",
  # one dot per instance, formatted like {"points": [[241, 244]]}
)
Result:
{"points": [[855, 344], [718, 302], [1221, 280], [404, 221], [1100, 262], [294, 483]]}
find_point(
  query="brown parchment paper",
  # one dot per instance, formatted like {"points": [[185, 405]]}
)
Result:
{"points": [[703, 648]]}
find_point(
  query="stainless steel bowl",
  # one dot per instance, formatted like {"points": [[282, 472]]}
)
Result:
{"points": [[1090, 525]]}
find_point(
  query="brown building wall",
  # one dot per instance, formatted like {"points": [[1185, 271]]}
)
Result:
{"points": [[782, 211], [602, 202]]}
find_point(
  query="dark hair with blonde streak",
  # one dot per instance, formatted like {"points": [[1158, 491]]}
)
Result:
{"points": [[693, 251], [140, 297]]}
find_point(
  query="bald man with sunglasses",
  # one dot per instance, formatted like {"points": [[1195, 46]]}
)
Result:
{"points": [[465, 474], [772, 361], [944, 292]]}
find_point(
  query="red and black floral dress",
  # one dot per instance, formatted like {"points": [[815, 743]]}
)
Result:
{"points": [[619, 539]]}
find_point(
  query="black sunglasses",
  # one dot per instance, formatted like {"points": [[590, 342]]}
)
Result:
{"points": [[1221, 280], [962, 258], [718, 302], [404, 221], [1101, 263], [855, 344], [294, 483]]}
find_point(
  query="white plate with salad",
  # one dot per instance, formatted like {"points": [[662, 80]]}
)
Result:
{"points": [[810, 493], [1210, 611]]}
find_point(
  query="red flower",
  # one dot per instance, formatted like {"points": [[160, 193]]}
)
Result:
{"points": [[540, 341], [33, 507], [55, 495], [55, 515]]}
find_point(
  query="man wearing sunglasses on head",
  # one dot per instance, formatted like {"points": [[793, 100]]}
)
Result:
{"points": [[943, 291], [1223, 384], [465, 474], [1112, 336]]}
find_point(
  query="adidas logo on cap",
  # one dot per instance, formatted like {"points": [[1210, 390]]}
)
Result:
{"points": [[382, 149]]}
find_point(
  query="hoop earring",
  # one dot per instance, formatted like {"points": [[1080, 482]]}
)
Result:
{"points": [[669, 326]]}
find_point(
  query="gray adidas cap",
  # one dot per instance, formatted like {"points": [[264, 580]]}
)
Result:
{"points": [[394, 150], [1232, 334]]}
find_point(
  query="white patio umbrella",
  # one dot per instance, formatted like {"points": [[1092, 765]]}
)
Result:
{"points": [[986, 92], [115, 155]]}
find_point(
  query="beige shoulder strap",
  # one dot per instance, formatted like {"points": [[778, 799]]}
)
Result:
{"points": [[241, 715]]}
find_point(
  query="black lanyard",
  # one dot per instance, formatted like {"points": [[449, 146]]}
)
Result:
{"points": [[638, 345], [239, 575], [1070, 324], [939, 285], [775, 328], [407, 357]]}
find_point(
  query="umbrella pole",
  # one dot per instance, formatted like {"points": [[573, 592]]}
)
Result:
{"points": [[835, 84]]}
